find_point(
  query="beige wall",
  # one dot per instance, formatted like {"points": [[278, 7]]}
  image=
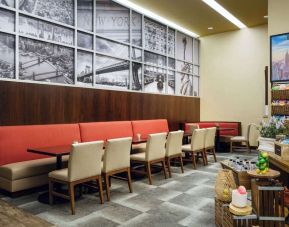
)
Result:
{"points": [[232, 75], [278, 17]]}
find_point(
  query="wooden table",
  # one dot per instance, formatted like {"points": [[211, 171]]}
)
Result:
{"points": [[55, 151], [11, 216]]}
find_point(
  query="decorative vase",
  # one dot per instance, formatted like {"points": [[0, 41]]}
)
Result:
{"points": [[266, 144]]}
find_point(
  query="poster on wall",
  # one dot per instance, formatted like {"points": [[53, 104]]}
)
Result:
{"points": [[85, 14], [7, 20], [9, 3], [60, 10], [111, 72], [45, 30], [84, 68], [154, 79], [184, 84], [7, 56], [184, 48], [41, 61], [112, 20], [279, 57], [136, 76]]}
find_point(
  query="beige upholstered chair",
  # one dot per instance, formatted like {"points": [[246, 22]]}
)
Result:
{"points": [[196, 146], [193, 127], [242, 139], [174, 149], [155, 152], [210, 142], [84, 165], [116, 159]]}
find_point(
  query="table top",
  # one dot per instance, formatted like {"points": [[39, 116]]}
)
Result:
{"points": [[276, 160], [218, 129], [51, 151], [270, 174]]}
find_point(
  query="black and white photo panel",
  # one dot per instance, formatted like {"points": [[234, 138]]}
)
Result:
{"points": [[184, 67], [196, 51], [171, 42], [171, 63], [136, 54], [184, 84], [61, 10], [84, 68], [136, 76], [7, 56], [111, 72], [171, 82], [196, 86], [106, 46], [46, 62], [84, 40], [9, 3], [136, 24], [85, 14], [154, 79], [7, 20], [44, 30], [184, 47], [155, 59], [112, 20]]}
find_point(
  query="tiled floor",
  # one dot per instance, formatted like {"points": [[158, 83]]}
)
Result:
{"points": [[183, 200]]}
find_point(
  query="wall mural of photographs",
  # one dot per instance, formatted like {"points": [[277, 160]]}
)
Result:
{"points": [[85, 14], [41, 61], [136, 76], [10, 3], [7, 56], [112, 20], [171, 42], [184, 84], [44, 30], [136, 29], [154, 79], [60, 10], [184, 47], [136, 54], [112, 48], [7, 20], [155, 35], [155, 59], [171, 82], [111, 72], [84, 68], [84, 40]]}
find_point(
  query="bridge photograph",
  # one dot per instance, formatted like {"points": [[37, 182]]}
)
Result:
{"points": [[7, 56], [84, 68], [48, 62]]}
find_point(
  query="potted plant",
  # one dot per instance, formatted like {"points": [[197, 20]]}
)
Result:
{"points": [[268, 132]]}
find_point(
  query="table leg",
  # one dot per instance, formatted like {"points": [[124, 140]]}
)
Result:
{"points": [[218, 144]]}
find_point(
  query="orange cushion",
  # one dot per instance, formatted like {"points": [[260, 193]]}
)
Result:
{"points": [[14, 140], [233, 132], [105, 130], [146, 127]]}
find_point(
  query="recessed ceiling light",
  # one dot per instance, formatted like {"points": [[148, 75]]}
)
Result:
{"points": [[266, 16], [225, 13], [210, 28], [154, 16]]}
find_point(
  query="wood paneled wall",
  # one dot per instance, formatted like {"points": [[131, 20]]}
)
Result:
{"points": [[28, 103]]}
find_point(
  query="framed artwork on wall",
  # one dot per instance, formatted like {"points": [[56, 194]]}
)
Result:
{"points": [[279, 57]]}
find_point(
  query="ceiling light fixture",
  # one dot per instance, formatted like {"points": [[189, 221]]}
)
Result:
{"points": [[225, 13], [156, 17], [210, 28], [266, 16]]}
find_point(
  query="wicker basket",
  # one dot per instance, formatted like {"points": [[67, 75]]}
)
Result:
{"points": [[280, 95], [280, 110]]}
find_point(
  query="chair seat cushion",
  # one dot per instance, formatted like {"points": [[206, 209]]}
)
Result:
{"points": [[61, 174], [138, 157], [138, 148], [238, 138], [187, 147], [20, 170]]}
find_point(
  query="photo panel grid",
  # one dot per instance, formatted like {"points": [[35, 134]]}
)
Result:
{"points": [[184, 84], [7, 56], [136, 76], [112, 20], [184, 47], [61, 10], [84, 68], [7, 20], [154, 79], [111, 72], [84, 40], [136, 24], [46, 62], [44, 30], [9, 3], [85, 14]]}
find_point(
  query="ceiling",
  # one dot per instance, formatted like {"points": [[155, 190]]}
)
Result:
{"points": [[197, 16]]}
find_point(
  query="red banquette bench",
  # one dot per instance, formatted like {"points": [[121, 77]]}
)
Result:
{"points": [[20, 170]]}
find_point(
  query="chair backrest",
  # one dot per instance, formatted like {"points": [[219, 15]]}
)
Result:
{"points": [[85, 160], [155, 147], [249, 130], [193, 127], [198, 139], [117, 154], [174, 143], [210, 137]]}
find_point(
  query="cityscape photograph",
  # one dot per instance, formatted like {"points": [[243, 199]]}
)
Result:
{"points": [[7, 56], [154, 79], [7, 20], [84, 68], [85, 14], [136, 76], [84, 40]]}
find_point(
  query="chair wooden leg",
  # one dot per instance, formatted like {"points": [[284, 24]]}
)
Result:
{"points": [[50, 192], [164, 168], [129, 180], [182, 164], [231, 146], [248, 146], [214, 154], [206, 157], [149, 174], [107, 189], [203, 153], [169, 166], [72, 198], [194, 161], [100, 189]]}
